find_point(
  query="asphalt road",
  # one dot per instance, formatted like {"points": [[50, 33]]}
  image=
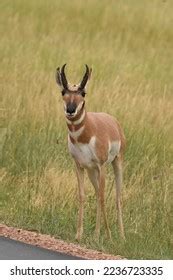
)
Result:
{"points": [[15, 250]]}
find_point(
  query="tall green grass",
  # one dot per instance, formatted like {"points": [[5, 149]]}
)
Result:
{"points": [[129, 46]]}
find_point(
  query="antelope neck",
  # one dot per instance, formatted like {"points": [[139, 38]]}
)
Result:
{"points": [[77, 121], [76, 126]]}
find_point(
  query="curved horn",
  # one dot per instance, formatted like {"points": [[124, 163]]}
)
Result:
{"points": [[85, 78], [63, 77]]}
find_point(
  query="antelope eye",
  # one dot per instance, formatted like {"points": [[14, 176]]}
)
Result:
{"points": [[83, 93]]}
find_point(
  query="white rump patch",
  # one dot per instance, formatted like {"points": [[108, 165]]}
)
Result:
{"points": [[114, 149]]}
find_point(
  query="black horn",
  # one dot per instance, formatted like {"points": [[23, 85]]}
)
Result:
{"points": [[63, 77], [85, 78]]}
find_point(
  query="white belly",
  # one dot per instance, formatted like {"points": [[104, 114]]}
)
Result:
{"points": [[84, 153]]}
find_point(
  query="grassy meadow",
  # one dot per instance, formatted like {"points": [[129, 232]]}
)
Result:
{"points": [[129, 44]]}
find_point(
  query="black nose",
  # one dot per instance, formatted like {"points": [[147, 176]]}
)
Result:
{"points": [[71, 108]]}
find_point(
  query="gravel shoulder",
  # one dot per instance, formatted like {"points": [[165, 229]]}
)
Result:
{"points": [[50, 243]]}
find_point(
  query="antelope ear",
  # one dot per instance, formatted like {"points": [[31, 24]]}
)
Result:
{"points": [[89, 77], [58, 77], [90, 72]]}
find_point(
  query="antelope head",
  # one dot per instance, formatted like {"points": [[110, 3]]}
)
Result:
{"points": [[73, 95]]}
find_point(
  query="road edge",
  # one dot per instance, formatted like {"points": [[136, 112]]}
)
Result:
{"points": [[49, 242]]}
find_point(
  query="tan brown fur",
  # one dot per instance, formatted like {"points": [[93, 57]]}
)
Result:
{"points": [[94, 139], [95, 124]]}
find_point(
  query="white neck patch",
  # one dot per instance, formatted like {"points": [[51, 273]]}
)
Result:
{"points": [[77, 133]]}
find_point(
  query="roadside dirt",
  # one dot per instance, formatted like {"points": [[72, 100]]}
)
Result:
{"points": [[49, 242]]}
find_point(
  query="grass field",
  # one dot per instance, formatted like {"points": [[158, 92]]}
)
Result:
{"points": [[129, 45]]}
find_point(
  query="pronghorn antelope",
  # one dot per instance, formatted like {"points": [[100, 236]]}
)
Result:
{"points": [[94, 139]]}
